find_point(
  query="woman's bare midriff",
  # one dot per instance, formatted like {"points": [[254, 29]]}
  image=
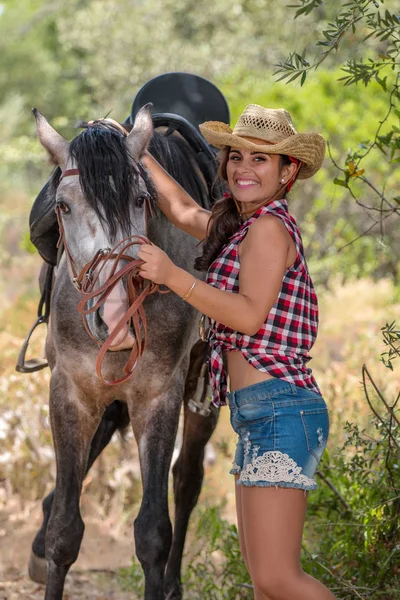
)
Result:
{"points": [[242, 373]]}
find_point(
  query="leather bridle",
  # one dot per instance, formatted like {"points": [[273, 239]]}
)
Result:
{"points": [[137, 290]]}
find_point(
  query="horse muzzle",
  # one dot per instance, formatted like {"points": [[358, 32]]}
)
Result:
{"points": [[111, 313]]}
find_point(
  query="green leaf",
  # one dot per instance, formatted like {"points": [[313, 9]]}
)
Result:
{"points": [[341, 182], [285, 76], [295, 76], [382, 82]]}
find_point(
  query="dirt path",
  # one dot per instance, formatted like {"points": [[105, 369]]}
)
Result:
{"points": [[94, 575], [85, 585]]}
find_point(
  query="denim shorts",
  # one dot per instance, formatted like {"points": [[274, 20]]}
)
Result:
{"points": [[282, 429]]}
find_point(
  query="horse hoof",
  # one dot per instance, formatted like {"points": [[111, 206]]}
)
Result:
{"points": [[37, 568]]}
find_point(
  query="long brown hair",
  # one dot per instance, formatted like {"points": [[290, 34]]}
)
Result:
{"points": [[225, 219]]}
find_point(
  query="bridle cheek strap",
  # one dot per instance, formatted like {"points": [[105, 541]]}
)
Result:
{"points": [[68, 173]]}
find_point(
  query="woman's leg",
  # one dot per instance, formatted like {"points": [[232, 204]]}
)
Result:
{"points": [[271, 524], [238, 491]]}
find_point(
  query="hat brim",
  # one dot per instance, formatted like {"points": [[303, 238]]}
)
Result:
{"points": [[309, 148]]}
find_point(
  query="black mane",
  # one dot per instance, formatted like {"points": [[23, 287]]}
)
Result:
{"points": [[110, 179], [107, 174]]}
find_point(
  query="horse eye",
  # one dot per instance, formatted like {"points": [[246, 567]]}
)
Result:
{"points": [[141, 200], [63, 208]]}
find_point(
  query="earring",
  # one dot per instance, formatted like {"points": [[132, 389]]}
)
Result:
{"points": [[282, 181]]}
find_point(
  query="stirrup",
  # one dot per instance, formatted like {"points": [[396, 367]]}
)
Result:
{"points": [[33, 364], [36, 364]]}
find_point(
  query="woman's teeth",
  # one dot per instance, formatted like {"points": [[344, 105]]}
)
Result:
{"points": [[246, 182]]}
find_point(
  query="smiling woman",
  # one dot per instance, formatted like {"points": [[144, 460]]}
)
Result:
{"points": [[263, 309], [253, 175]]}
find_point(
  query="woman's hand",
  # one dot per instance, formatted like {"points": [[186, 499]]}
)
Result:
{"points": [[157, 266]]}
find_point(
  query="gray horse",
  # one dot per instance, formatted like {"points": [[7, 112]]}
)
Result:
{"points": [[102, 198]]}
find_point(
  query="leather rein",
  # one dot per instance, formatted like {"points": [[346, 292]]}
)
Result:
{"points": [[137, 290]]}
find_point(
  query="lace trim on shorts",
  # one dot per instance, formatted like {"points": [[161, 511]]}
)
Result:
{"points": [[272, 467]]}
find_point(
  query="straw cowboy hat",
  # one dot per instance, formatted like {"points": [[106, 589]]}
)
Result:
{"points": [[276, 128]]}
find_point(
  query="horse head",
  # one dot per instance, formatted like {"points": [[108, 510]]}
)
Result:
{"points": [[102, 198]]}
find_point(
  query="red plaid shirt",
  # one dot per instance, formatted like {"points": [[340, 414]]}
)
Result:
{"points": [[281, 345]]}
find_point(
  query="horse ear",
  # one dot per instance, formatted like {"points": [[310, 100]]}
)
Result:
{"points": [[55, 144], [139, 137]]}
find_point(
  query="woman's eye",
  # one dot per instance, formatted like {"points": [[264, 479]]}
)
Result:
{"points": [[234, 157], [63, 208], [260, 158]]}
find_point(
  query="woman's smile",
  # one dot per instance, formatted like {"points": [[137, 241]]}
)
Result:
{"points": [[246, 183]]}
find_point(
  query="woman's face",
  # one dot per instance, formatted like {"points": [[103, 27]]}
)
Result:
{"points": [[255, 176]]}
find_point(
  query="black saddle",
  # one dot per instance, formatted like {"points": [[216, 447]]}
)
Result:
{"points": [[189, 96]]}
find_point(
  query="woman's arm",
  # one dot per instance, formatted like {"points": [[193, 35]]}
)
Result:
{"points": [[264, 258], [176, 204]]}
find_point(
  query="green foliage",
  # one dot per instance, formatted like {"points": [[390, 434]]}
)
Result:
{"points": [[391, 337], [354, 16], [131, 578], [27, 245], [69, 58], [354, 525], [360, 22], [216, 571]]}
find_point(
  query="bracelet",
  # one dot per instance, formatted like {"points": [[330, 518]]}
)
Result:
{"points": [[190, 290]]}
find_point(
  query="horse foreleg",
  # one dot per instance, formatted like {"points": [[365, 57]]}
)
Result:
{"points": [[155, 431], [73, 425], [115, 417], [188, 475]]}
